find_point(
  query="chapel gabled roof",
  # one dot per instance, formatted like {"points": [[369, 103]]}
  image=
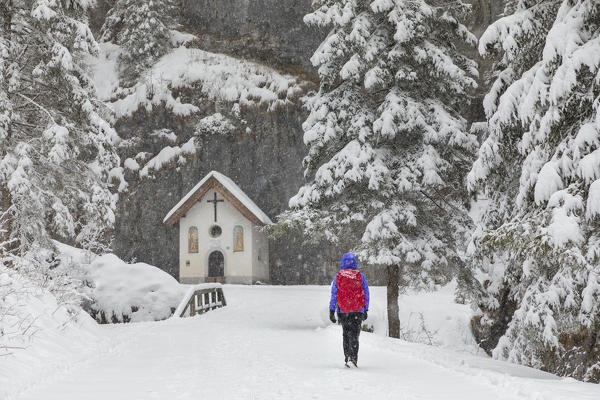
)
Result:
{"points": [[228, 189]]}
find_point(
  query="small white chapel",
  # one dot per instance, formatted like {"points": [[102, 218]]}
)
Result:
{"points": [[219, 235]]}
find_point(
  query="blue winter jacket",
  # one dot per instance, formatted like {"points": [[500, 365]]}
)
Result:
{"points": [[348, 262]]}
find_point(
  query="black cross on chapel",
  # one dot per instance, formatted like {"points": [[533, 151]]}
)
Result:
{"points": [[215, 201]]}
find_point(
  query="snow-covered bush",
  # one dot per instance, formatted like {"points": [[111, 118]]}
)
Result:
{"points": [[121, 292], [537, 249], [215, 124], [131, 292]]}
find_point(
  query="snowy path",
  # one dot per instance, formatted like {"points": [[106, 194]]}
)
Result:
{"points": [[272, 343]]}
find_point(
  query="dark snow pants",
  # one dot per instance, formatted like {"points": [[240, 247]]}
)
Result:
{"points": [[351, 323]]}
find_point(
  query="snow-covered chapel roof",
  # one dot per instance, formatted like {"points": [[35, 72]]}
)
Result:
{"points": [[228, 189]]}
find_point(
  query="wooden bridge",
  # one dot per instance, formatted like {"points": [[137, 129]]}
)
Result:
{"points": [[201, 299]]}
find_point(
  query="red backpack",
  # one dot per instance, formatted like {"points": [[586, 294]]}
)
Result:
{"points": [[350, 295]]}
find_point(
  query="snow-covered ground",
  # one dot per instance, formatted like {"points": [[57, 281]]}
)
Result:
{"points": [[38, 337], [276, 343]]}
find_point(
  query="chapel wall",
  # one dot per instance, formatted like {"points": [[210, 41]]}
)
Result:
{"points": [[260, 255]]}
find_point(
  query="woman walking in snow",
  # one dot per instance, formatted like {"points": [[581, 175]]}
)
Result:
{"points": [[350, 298]]}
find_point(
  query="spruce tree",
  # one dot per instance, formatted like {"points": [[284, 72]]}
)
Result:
{"points": [[388, 148], [537, 248], [56, 148], [142, 29]]}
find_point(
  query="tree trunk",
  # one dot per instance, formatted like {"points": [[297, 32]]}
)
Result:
{"points": [[6, 246], [6, 9], [392, 301]]}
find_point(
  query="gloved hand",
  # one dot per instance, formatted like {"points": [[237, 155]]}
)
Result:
{"points": [[332, 316], [365, 316]]}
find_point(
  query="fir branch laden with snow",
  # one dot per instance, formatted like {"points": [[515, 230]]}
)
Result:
{"points": [[388, 148], [540, 168], [56, 148]]}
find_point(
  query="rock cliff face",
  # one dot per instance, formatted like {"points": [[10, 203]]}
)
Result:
{"points": [[265, 160], [271, 31], [483, 13]]}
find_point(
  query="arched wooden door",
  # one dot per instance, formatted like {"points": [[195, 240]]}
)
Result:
{"points": [[216, 265]]}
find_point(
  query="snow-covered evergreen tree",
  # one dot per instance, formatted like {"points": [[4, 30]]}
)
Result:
{"points": [[538, 246], [142, 29], [388, 148], [56, 149]]}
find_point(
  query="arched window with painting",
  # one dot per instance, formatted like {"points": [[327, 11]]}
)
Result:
{"points": [[238, 238], [193, 239]]}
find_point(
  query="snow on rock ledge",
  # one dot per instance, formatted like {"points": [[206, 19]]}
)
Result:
{"points": [[219, 77], [167, 155]]}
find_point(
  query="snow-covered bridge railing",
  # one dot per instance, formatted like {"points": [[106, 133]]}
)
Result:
{"points": [[200, 299]]}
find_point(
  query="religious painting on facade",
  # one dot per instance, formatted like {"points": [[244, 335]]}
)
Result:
{"points": [[193, 240], [238, 238]]}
